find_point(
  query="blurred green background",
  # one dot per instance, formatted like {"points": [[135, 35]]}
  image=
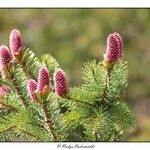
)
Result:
{"points": [[74, 35]]}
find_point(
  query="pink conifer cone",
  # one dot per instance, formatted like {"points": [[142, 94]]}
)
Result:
{"points": [[15, 42], [43, 80], [114, 47], [32, 86], [120, 43], [60, 83], [3, 90], [5, 56], [5, 59]]}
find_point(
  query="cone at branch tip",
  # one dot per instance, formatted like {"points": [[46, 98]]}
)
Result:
{"points": [[60, 83], [5, 59], [114, 49], [15, 43], [44, 85], [31, 87]]}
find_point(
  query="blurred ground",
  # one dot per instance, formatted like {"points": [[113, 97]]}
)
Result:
{"points": [[74, 35]]}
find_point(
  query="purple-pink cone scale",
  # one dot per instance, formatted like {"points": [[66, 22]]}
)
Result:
{"points": [[31, 87], [5, 56], [43, 79], [60, 83], [114, 47], [3, 90], [120, 43], [15, 42]]}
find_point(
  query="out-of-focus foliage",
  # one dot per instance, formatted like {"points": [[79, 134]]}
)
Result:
{"points": [[74, 35]]}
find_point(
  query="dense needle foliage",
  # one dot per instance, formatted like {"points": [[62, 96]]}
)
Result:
{"points": [[37, 103]]}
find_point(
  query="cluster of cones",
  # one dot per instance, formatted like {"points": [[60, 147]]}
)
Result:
{"points": [[42, 85]]}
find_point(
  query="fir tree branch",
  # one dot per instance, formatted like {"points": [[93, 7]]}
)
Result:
{"points": [[17, 79], [97, 83], [49, 122], [94, 76], [9, 106], [29, 73], [86, 110], [19, 92], [104, 96], [9, 128], [30, 134], [78, 101], [30, 63]]}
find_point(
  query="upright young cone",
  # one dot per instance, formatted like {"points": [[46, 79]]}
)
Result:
{"points": [[5, 59], [43, 80], [114, 49], [60, 83], [120, 43], [31, 87], [5, 56], [15, 43]]}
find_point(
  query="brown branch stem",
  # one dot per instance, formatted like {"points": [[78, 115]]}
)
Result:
{"points": [[9, 128], [49, 122], [76, 100], [106, 85], [9, 106]]}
